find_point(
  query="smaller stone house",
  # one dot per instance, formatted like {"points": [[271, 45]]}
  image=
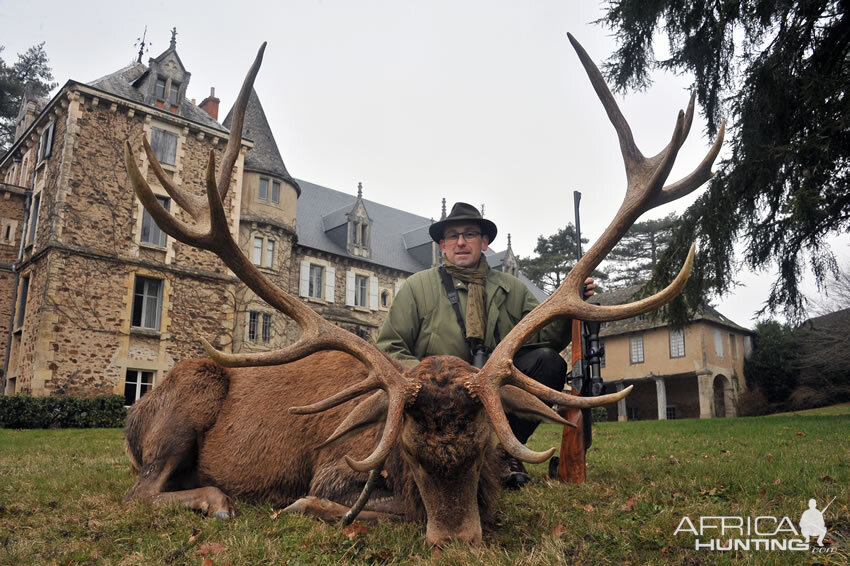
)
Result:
{"points": [[693, 372]]}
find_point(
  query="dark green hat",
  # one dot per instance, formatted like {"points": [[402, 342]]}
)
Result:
{"points": [[462, 212]]}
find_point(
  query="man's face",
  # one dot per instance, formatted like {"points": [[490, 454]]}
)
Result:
{"points": [[458, 249]]}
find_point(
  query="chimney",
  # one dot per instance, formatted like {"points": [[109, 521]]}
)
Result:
{"points": [[210, 104]]}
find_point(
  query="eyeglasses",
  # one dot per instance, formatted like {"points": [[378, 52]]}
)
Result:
{"points": [[468, 236]]}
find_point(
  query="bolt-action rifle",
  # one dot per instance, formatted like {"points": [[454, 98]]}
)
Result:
{"points": [[585, 380]]}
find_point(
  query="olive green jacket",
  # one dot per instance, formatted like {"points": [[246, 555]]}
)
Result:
{"points": [[422, 322]]}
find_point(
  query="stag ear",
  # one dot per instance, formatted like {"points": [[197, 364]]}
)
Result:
{"points": [[369, 412], [527, 406]]}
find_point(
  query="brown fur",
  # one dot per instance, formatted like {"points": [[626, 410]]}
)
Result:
{"points": [[229, 428]]}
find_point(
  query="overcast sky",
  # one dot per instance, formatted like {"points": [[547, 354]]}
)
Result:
{"points": [[476, 101]]}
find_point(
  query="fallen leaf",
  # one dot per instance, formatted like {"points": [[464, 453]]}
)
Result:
{"points": [[664, 550], [558, 530], [208, 561], [827, 479], [801, 433], [164, 535], [195, 534], [588, 507], [207, 549], [436, 552], [629, 505], [384, 474], [769, 456], [706, 455], [763, 492], [276, 514], [778, 481], [354, 529]]}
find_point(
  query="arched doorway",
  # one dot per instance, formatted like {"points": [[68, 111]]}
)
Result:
{"points": [[723, 405]]}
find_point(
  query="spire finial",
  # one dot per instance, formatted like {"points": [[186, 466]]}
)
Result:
{"points": [[482, 209], [359, 190], [443, 217], [173, 37], [143, 44], [509, 240]]}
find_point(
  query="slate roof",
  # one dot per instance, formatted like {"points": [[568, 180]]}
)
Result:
{"points": [[838, 321], [264, 157], [120, 83], [625, 295], [387, 232]]}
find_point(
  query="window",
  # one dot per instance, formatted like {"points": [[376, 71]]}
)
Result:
{"points": [[361, 288], [151, 233], [36, 203], [262, 254], [733, 346], [268, 260], [22, 301], [263, 189], [136, 383], [147, 303], [315, 283], [253, 322], [363, 228], [671, 413], [718, 343], [632, 413], [257, 252], [276, 192], [677, 343], [45, 144], [160, 89], [8, 234], [164, 144], [385, 299], [267, 327], [602, 357], [172, 93], [636, 349]]}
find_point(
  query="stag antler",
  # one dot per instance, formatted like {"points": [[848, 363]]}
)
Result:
{"points": [[645, 190], [212, 232]]}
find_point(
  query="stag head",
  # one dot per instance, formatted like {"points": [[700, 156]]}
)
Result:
{"points": [[404, 400]]}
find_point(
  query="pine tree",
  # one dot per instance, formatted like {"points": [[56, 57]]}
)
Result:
{"points": [[556, 255], [32, 68], [635, 256], [778, 71]]}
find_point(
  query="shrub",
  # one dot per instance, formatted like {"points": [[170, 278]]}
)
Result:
{"points": [[26, 411]]}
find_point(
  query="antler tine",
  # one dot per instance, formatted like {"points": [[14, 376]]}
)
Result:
{"points": [[234, 143], [190, 203], [166, 221]]}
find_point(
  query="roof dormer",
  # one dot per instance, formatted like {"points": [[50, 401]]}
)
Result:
{"points": [[359, 227], [164, 84]]}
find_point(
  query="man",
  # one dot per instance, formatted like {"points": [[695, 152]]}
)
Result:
{"points": [[423, 322]]}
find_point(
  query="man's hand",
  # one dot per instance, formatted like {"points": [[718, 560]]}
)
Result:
{"points": [[589, 287]]}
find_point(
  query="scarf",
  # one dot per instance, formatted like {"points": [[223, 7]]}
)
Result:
{"points": [[474, 277]]}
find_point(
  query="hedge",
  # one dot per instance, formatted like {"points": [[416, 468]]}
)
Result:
{"points": [[26, 411]]}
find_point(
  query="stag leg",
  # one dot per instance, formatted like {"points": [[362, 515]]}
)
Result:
{"points": [[332, 512], [154, 480]]}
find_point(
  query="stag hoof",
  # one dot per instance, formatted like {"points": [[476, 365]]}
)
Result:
{"points": [[223, 514]]}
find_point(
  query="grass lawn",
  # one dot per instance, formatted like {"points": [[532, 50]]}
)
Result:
{"points": [[61, 491]]}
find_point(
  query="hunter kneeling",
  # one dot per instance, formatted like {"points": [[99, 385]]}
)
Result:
{"points": [[463, 308]]}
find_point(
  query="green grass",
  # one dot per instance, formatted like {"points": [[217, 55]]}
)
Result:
{"points": [[61, 491]]}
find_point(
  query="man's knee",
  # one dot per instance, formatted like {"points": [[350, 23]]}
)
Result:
{"points": [[544, 365]]}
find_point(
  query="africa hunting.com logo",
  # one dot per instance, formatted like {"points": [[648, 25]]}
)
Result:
{"points": [[765, 532]]}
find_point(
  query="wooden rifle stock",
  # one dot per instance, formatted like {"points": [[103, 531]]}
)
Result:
{"points": [[572, 463]]}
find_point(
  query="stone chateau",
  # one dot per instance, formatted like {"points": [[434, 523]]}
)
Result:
{"points": [[96, 299]]}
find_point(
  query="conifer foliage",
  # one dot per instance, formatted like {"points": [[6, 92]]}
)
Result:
{"points": [[778, 72]]}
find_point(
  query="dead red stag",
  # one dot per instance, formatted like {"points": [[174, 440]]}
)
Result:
{"points": [[220, 428]]}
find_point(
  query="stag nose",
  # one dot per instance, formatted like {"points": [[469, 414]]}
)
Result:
{"points": [[439, 537]]}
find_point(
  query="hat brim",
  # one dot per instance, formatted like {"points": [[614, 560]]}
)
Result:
{"points": [[488, 228]]}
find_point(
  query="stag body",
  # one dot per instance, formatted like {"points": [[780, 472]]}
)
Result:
{"points": [[207, 433]]}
